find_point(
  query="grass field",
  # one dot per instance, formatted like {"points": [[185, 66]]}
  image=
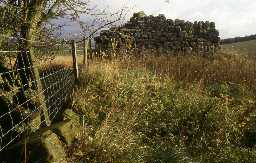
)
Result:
{"points": [[159, 110], [170, 109], [245, 48]]}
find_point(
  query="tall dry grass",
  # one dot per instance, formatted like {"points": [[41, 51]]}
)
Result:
{"points": [[141, 114], [221, 68], [136, 110]]}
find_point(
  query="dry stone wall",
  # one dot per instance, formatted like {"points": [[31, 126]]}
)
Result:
{"points": [[144, 32]]}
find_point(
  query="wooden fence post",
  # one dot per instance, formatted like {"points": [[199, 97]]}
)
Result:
{"points": [[85, 61], [74, 56], [39, 87], [90, 48]]}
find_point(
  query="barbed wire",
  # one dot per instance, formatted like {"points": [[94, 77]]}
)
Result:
{"points": [[22, 104], [37, 109], [39, 42], [41, 93], [65, 80], [11, 51], [68, 78]]}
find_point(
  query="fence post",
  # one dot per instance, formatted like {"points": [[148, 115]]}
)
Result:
{"points": [[90, 48], [39, 87], [74, 56], [85, 61]]}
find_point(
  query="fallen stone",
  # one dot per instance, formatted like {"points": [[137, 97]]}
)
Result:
{"points": [[54, 147], [68, 131]]}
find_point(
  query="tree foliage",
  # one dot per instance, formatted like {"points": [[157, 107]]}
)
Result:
{"points": [[22, 22], [30, 17]]}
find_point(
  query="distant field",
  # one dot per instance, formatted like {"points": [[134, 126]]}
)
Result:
{"points": [[246, 47]]}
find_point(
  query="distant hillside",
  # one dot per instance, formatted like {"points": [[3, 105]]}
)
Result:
{"points": [[238, 39], [242, 47]]}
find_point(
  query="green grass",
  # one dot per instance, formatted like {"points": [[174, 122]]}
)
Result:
{"points": [[133, 115], [245, 48]]}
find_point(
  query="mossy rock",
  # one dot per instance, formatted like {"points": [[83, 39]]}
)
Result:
{"points": [[54, 146], [68, 131], [46, 147]]}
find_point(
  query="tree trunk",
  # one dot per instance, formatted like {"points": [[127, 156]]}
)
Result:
{"points": [[32, 16], [28, 73], [24, 61]]}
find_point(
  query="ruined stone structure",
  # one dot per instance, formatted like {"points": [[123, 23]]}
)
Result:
{"points": [[158, 33]]}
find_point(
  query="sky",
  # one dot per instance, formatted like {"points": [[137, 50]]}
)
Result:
{"points": [[232, 17]]}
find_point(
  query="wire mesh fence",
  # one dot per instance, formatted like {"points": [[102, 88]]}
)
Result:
{"points": [[34, 86]]}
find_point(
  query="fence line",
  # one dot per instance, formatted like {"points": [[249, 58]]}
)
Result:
{"points": [[32, 93], [23, 39], [10, 51]]}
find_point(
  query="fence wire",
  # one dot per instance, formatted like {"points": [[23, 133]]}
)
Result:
{"points": [[32, 93]]}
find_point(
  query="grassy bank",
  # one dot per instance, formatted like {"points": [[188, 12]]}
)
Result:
{"points": [[244, 47], [135, 114]]}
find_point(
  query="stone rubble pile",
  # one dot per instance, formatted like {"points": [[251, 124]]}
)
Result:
{"points": [[158, 33]]}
